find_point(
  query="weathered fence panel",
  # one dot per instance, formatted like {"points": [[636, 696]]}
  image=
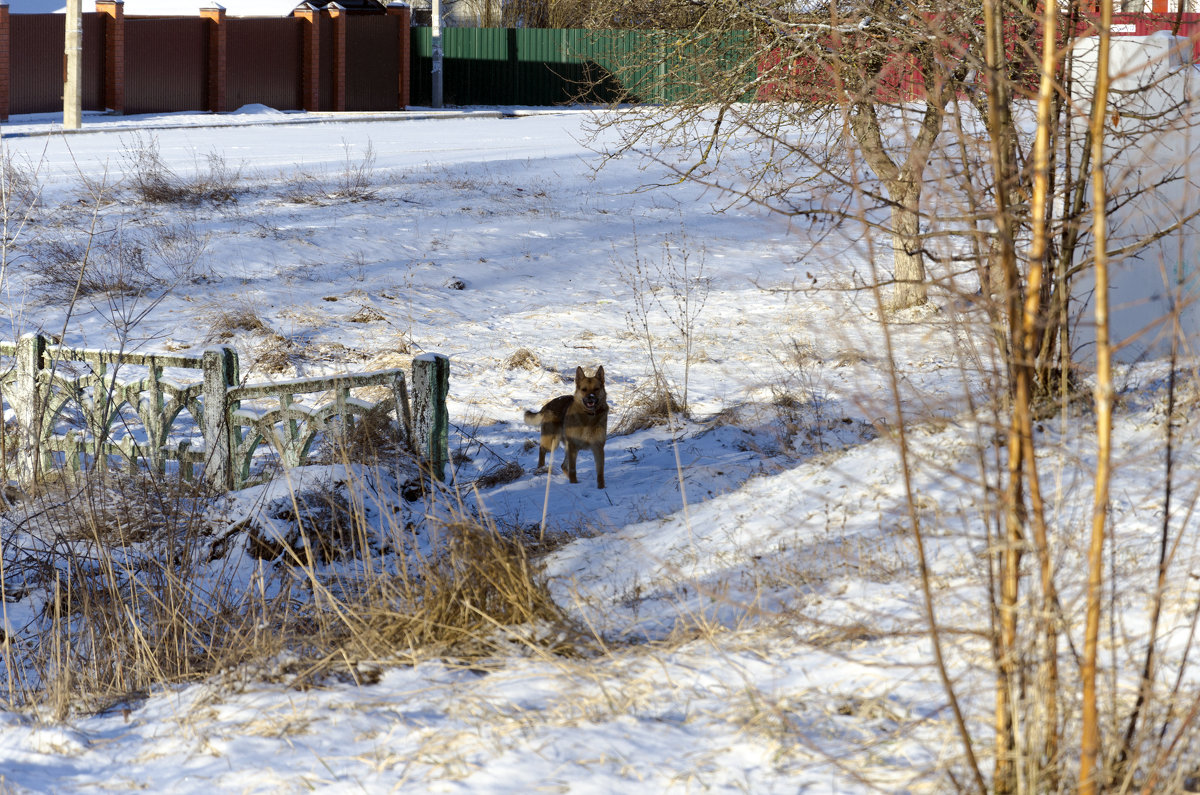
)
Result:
{"points": [[292, 415], [265, 62], [76, 408], [166, 64]]}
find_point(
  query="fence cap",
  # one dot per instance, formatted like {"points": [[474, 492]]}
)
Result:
{"points": [[430, 357]]}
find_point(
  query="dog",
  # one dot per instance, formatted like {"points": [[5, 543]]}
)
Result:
{"points": [[575, 421]]}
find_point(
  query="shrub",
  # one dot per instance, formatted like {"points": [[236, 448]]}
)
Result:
{"points": [[138, 581], [154, 182]]}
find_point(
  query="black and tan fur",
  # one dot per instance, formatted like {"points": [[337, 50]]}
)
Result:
{"points": [[577, 422]]}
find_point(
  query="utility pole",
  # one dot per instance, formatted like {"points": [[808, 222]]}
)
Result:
{"points": [[436, 31], [73, 67]]}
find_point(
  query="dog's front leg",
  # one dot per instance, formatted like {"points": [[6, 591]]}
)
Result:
{"points": [[598, 455], [569, 461]]}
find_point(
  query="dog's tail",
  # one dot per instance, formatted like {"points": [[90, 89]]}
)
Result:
{"points": [[533, 418]]}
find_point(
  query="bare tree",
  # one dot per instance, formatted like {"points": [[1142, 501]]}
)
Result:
{"points": [[976, 98], [833, 80]]}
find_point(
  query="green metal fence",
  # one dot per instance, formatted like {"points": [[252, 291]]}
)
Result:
{"points": [[525, 66]]}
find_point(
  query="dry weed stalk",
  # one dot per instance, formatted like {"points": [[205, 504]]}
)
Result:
{"points": [[141, 586]]}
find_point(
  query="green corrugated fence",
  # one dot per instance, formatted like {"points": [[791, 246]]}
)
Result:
{"points": [[525, 66]]}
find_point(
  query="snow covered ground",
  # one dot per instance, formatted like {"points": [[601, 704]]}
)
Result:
{"points": [[749, 571]]}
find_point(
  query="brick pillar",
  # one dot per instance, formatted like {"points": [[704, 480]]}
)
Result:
{"points": [[4, 61], [310, 61], [217, 30], [337, 17], [403, 11], [114, 53]]}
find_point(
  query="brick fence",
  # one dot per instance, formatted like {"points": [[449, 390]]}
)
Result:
{"points": [[312, 60]]}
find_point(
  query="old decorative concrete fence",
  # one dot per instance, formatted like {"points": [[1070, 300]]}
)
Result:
{"points": [[73, 406]]}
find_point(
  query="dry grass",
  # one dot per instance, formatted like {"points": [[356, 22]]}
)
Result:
{"points": [[499, 475], [478, 583], [152, 181], [20, 186], [523, 359], [128, 260], [140, 581], [648, 406], [374, 436], [354, 182], [229, 318]]}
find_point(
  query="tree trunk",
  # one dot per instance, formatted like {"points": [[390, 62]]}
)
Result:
{"points": [[908, 260], [903, 186]]}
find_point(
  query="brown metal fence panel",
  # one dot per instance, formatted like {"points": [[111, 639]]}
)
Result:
{"points": [[372, 62], [264, 63], [166, 65], [36, 55], [93, 62]]}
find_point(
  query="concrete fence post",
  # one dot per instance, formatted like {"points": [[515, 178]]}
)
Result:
{"points": [[431, 419], [220, 367], [31, 352]]}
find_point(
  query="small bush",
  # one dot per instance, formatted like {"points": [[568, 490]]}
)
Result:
{"points": [[275, 354], [648, 406], [355, 182], [124, 261], [66, 269], [154, 182], [20, 187], [230, 318]]}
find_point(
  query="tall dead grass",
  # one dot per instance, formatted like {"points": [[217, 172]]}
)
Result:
{"points": [[115, 585]]}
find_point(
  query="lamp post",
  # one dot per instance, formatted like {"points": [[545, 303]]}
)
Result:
{"points": [[436, 23]]}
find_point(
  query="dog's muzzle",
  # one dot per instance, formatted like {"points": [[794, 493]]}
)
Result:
{"points": [[591, 404]]}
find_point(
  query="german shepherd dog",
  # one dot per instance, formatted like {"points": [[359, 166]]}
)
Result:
{"points": [[576, 421]]}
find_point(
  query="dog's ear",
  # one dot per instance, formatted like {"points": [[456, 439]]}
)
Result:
{"points": [[600, 373], [578, 374]]}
